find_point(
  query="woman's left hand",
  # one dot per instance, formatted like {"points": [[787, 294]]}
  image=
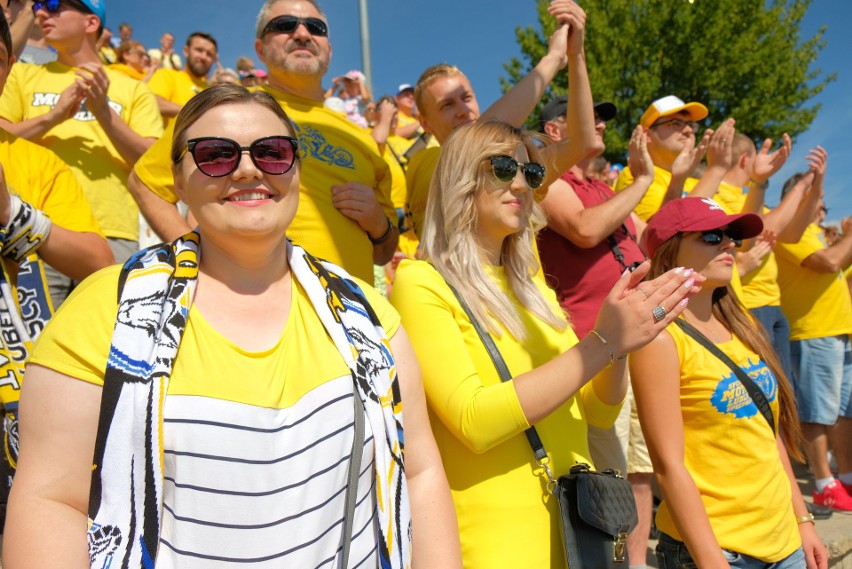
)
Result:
{"points": [[816, 555], [634, 312]]}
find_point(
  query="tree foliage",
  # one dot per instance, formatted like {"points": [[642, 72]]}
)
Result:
{"points": [[741, 58]]}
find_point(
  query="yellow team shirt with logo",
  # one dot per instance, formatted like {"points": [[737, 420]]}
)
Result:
{"points": [[731, 453], [176, 86], [33, 90], [333, 151], [760, 286], [816, 304]]}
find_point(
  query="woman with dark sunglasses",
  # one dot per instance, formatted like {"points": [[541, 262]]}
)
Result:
{"points": [[479, 239], [243, 400], [719, 432]]}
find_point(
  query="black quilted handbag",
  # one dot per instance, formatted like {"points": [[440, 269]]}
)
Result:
{"points": [[597, 511]]}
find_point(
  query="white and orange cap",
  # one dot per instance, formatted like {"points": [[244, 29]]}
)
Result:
{"points": [[670, 105]]}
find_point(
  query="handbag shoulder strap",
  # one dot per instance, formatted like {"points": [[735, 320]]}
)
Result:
{"points": [[352, 480], [757, 396], [502, 370]]}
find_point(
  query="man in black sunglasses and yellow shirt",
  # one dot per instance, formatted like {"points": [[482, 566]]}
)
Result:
{"points": [[345, 212]]}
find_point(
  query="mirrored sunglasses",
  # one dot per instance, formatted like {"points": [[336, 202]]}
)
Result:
{"points": [[217, 157], [505, 168], [289, 24]]}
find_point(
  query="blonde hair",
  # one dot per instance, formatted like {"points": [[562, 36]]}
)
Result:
{"points": [[733, 315], [449, 233], [431, 75]]}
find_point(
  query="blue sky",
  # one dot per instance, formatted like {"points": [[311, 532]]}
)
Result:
{"points": [[408, 36]]}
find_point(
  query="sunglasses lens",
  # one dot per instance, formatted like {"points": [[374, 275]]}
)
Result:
{"points": [[216, 157], [534, 173], [505, 168], [274, 155], [316, 27], [712, 237]]}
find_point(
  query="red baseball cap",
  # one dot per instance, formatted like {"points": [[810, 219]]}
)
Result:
{"points": [[696, 214]]}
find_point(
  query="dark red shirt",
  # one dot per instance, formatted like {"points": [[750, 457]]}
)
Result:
{"points": [[583, 277]]}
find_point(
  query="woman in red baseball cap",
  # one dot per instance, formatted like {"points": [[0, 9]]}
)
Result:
{"points": [[717, 411]]}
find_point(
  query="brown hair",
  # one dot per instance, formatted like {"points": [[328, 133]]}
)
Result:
{"points": [[216, 96], [734, 316], [125, 48]]}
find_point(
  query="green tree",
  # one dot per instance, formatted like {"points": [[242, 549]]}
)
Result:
{"points": [[741, 58]]}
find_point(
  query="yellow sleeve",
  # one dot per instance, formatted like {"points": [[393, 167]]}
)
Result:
{"points": [[162, 83], [796, 253], [11, 102], [144, 114], [481, 414], [154, 168], [81, 351]]}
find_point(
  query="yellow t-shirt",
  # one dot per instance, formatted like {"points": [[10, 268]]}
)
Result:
{"points": [[816, 304], [333, 151], [42, 180], [176, 86], [261, 436], [418, 178], [506, 516], [760, 286], [731, 454], [32, 91], [652, 201]]}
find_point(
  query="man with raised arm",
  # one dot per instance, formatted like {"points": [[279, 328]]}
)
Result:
{"points": [[445, 99]]}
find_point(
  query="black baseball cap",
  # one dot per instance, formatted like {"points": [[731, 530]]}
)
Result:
{"points": [[558, 106]]}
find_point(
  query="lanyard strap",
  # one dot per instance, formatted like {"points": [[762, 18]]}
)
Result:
{"points": [[352, 481]]}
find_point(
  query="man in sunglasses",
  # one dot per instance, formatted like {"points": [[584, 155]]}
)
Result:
{"points": [[445, 100], [175, 87], [345, 211], [98, 121]]}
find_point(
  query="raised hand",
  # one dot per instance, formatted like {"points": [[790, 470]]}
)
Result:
{"points": [[690, 156], [767, 163], [639, 160], [96, 84], [569, 14], [720, 148], [626, 318]]}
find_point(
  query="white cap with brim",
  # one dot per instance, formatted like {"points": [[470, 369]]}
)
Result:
{"points": [[671, 105]]}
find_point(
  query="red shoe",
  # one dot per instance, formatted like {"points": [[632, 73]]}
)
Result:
{"points": [[836, 497], [847, 487]]}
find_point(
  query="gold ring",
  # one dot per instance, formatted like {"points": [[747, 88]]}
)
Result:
{"points": [[645, 292]]}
